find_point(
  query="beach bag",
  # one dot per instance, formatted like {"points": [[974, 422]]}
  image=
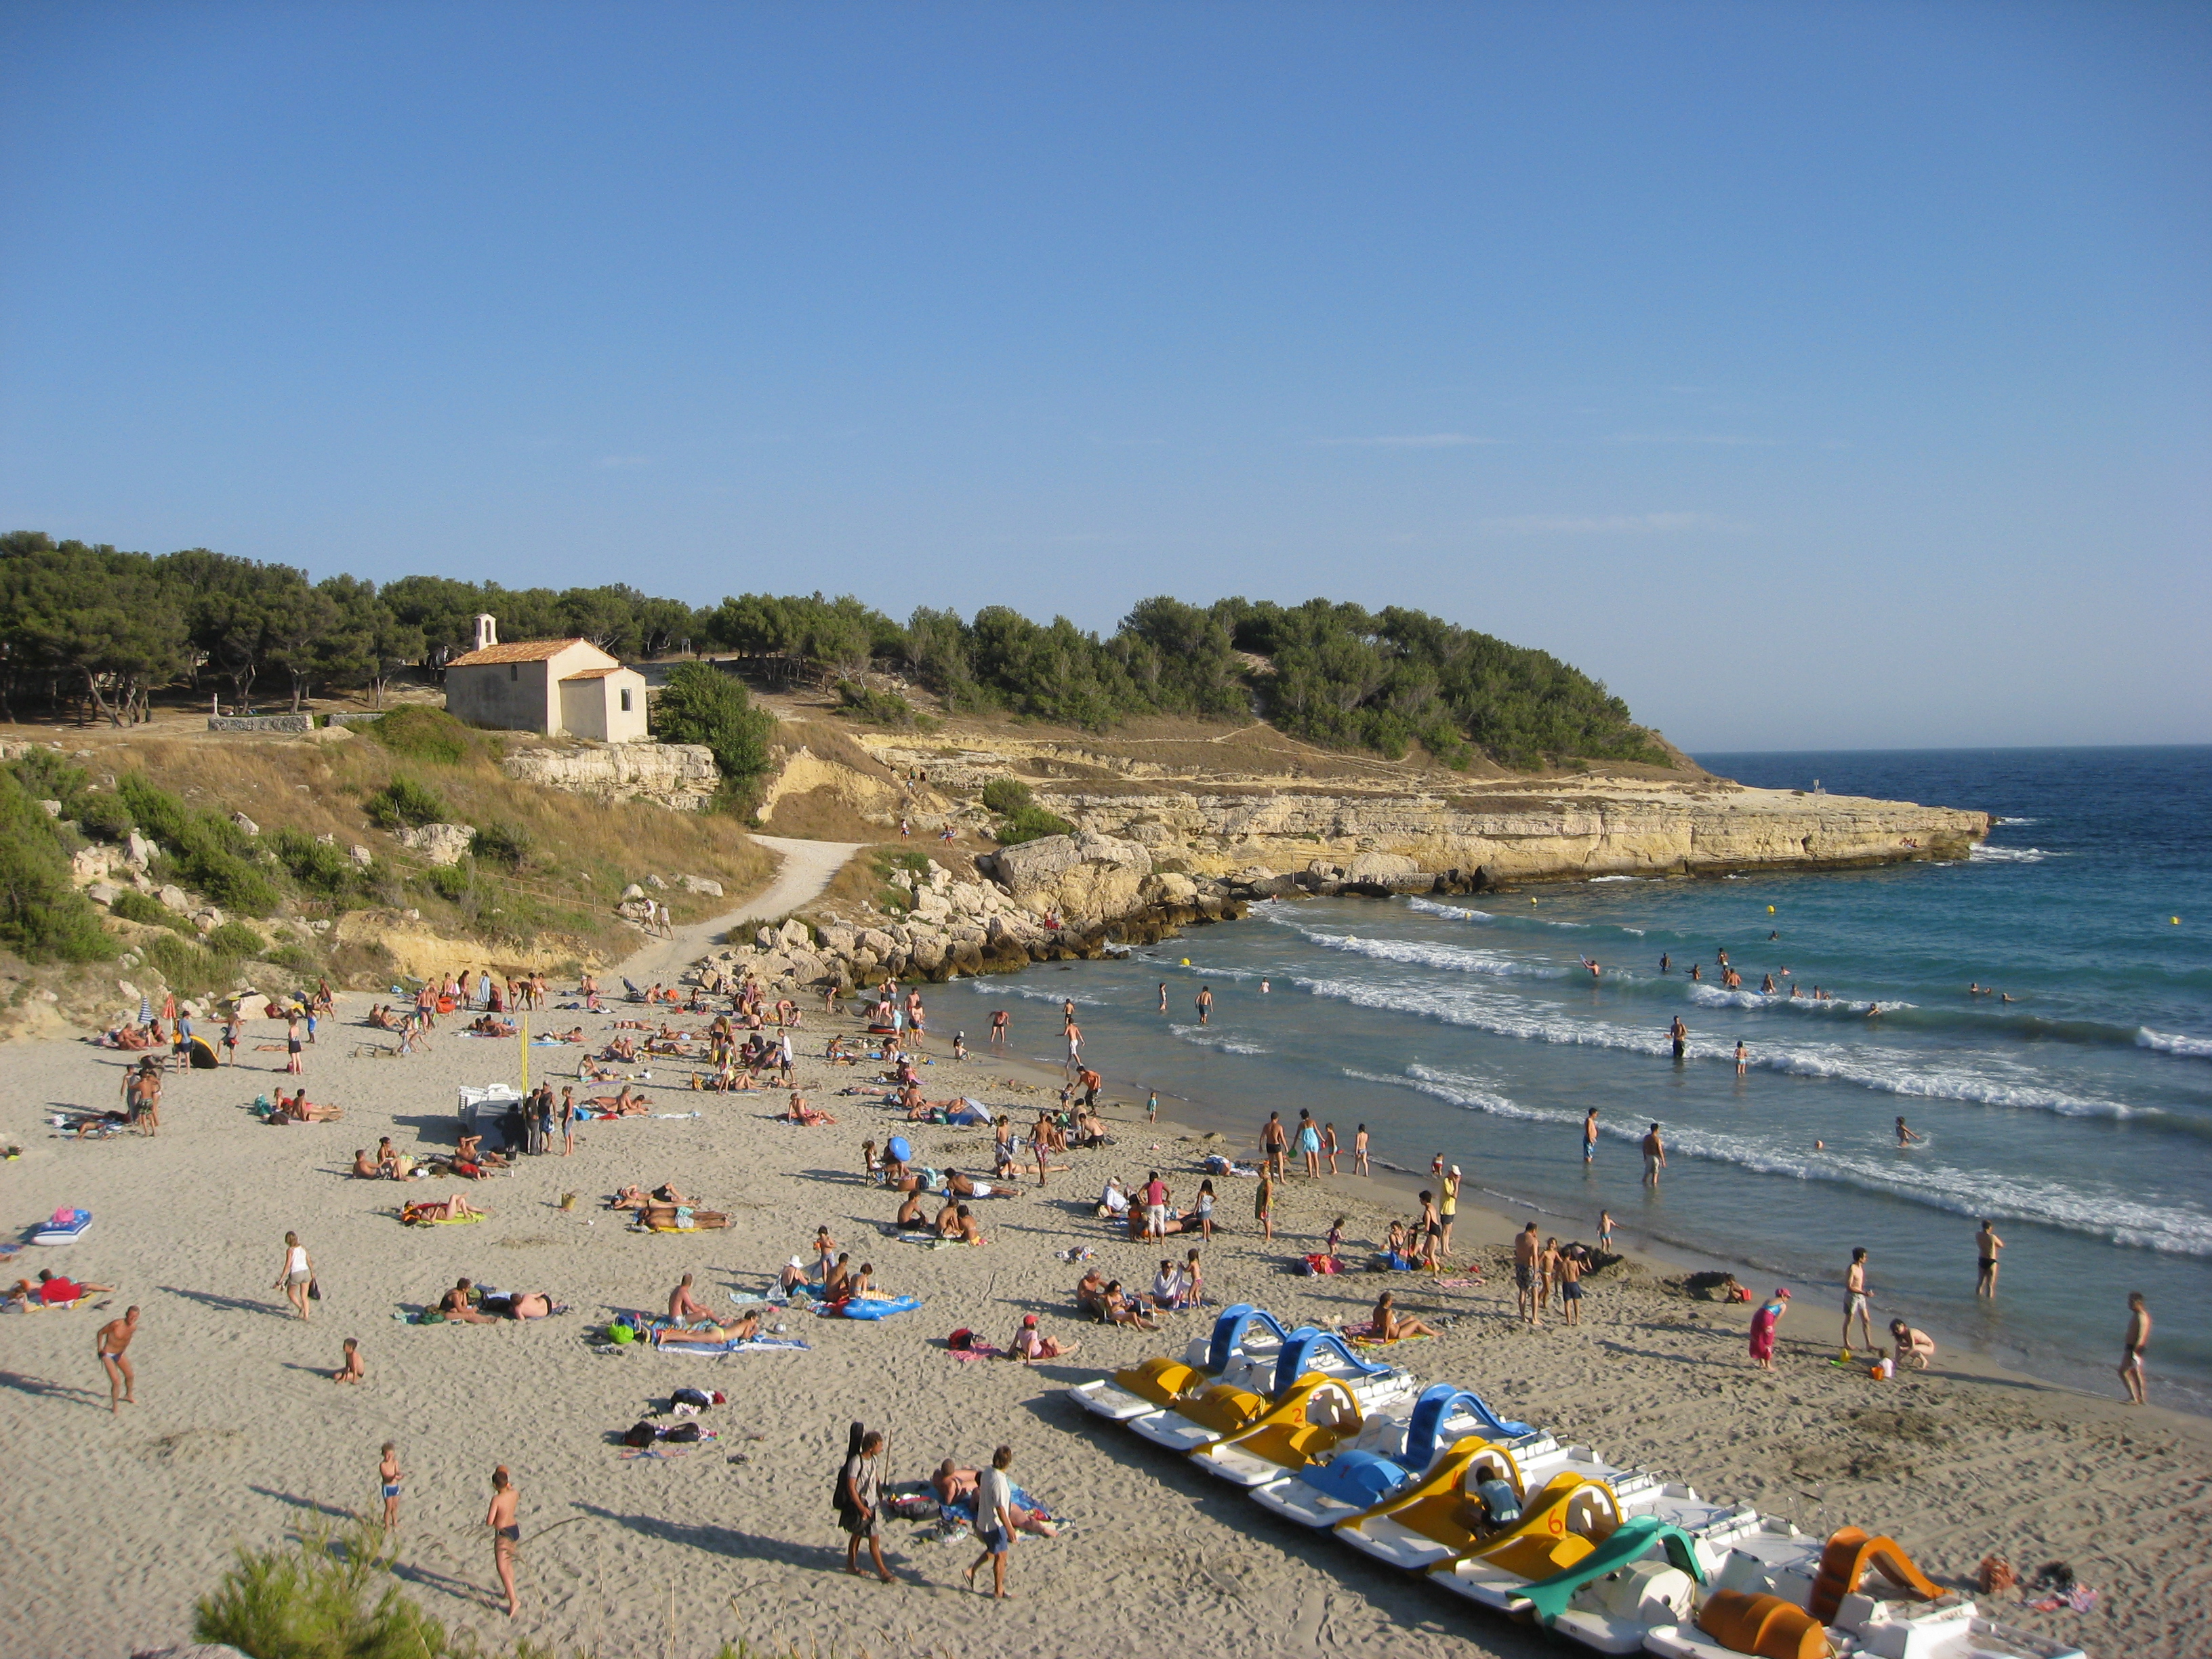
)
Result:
{"points": [[638, 1434], [1323, 1265], [695, 1398], [961, 1341], [683, 1434]]}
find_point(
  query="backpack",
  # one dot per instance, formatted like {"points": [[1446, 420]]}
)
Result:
{"points": [[691, 1397], [639, 1434], [961, 1340], [682, 1434]]}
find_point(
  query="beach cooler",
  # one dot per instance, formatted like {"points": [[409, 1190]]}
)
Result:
{"points": [[65, 1226]]}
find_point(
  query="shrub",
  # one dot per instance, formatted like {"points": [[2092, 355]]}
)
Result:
{"points": [[1030, 824], [405, 803], [702, 704], [42, 917], [316, 866], [235, 938], [46, 775], [864, 702], [298, 957], [187, 968], [450, 881], [1006, 796], [134, 906], [207, 847], [422, 733], [319, 1599], [104, 816], [508, 843]]}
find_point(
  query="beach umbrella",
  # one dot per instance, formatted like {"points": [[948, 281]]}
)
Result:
{"points": [[145, 1009]]}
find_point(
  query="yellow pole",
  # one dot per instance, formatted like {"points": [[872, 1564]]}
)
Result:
{"points": [[523, 1039]]}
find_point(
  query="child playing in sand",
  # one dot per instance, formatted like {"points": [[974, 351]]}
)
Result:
{"points": [[352, 1371]]}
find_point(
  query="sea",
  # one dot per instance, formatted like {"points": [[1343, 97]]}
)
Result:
{"points": [[2077, 1115]]}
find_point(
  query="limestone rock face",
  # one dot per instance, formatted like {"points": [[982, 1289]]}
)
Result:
{"points": [[1084, 879], [681, 776], [1383, 869], [440, 844], [91, 864]]}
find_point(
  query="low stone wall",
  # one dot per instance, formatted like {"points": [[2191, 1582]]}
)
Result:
{"points": [[358, 716], [261, 722]]}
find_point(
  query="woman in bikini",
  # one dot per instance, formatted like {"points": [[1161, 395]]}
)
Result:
{"points": [[453, 1209], [1391, 1326]]}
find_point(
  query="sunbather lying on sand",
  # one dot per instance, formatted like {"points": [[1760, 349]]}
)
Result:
{"points": [[627, 1104], [50, 1290], [298, 1110], [519, 1304], [742, 1329], [451, 1209], [488, 1026]]}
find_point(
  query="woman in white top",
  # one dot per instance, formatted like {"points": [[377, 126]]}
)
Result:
{"points": [[299, 1272]]}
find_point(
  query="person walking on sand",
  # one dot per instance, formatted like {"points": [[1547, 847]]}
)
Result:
{"points": [[1762, 1324], [388, 1478], [1263, 1202], [1526, 1250], [1605, 1231], [2131, 1348], [1359, 1153], [1328, 1147], [1448, 1206], [1986, 1246], [506, 1534], [995, 1520], [1310, 1144], [1571, 1284], [860, 1485], [1654, 1158], [297, 1273], [292, 1043], [1855, 1300], [112, 1341], [1590, 1136]]}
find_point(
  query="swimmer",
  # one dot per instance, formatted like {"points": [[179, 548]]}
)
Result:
{"points": [[1909, 1137]]}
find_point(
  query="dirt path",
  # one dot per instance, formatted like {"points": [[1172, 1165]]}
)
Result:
{"points": [[807, 867]]}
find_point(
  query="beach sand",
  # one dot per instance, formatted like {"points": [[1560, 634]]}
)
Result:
{"points": [[115, 1525]]}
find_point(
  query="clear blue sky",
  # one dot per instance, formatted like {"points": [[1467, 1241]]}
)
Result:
{"points": [[1816, 376]]}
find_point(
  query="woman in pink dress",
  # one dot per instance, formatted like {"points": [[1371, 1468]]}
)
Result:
{"points": [[1762, 1329]]}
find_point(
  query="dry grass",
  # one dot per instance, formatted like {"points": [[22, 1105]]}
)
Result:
{"points": [[583, 852]]}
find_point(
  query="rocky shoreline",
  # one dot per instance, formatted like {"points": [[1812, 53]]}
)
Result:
{"points": [[1084, 895]]}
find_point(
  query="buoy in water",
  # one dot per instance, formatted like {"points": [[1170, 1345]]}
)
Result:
{"points": [[2175, 921], [1186, 961], [1770, 909]]}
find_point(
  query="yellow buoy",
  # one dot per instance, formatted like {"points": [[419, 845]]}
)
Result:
{"points": [[1532, 900], [2175, 921], [1186, 961], [1770, 909]]}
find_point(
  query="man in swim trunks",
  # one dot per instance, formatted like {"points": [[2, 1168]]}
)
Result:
{"points": [[1654, 1156], [683, 1307], [1205, 1000], [1986, 1246], [1274, 1142], [1526, 1248], [1679, 1035], [1589, 1135], [2131, 1352], [1855, 1299], [114, 1337]]}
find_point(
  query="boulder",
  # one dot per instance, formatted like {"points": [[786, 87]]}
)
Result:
{"points": [[1084, 879], [102, 892], [438, 843], [361, 855], [700, 884], [90, 864], [876, 941], [1382, 869], [839, 940], [655, 881], [206, 919], [174, 897], [245, 824], [1170, 887], [137, 851], [929, 953], [794, 935], [633, 891], [52, 809]]}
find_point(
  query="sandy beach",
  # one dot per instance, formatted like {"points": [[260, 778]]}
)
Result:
{"points": [[238, 1437]]}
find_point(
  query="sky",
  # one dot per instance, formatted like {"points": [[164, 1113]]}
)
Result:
{"points": [[1817, 376]]}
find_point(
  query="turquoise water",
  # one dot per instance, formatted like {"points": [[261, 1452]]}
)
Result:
{"points": [[2078, 1117]]}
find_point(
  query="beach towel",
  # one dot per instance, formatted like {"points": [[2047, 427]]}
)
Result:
{"points": [[749, 1345], [444, 1220]]}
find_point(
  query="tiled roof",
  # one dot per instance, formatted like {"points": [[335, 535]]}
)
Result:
{"points": [[520, 651], [592, 673]]}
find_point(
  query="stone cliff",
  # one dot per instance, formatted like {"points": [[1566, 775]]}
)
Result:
{"points": [[679, 775]]}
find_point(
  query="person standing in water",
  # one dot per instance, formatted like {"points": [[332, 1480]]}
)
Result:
{"points": [[1909, 1137], [1163, 996], [1743, 1059], [1359, 1153], [1589, 1136], [1664, 966], [2131, 1350], [1654, 1156], [1205, 1000], [1986, 1246], [506, 1534], [1679, 1035]]}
